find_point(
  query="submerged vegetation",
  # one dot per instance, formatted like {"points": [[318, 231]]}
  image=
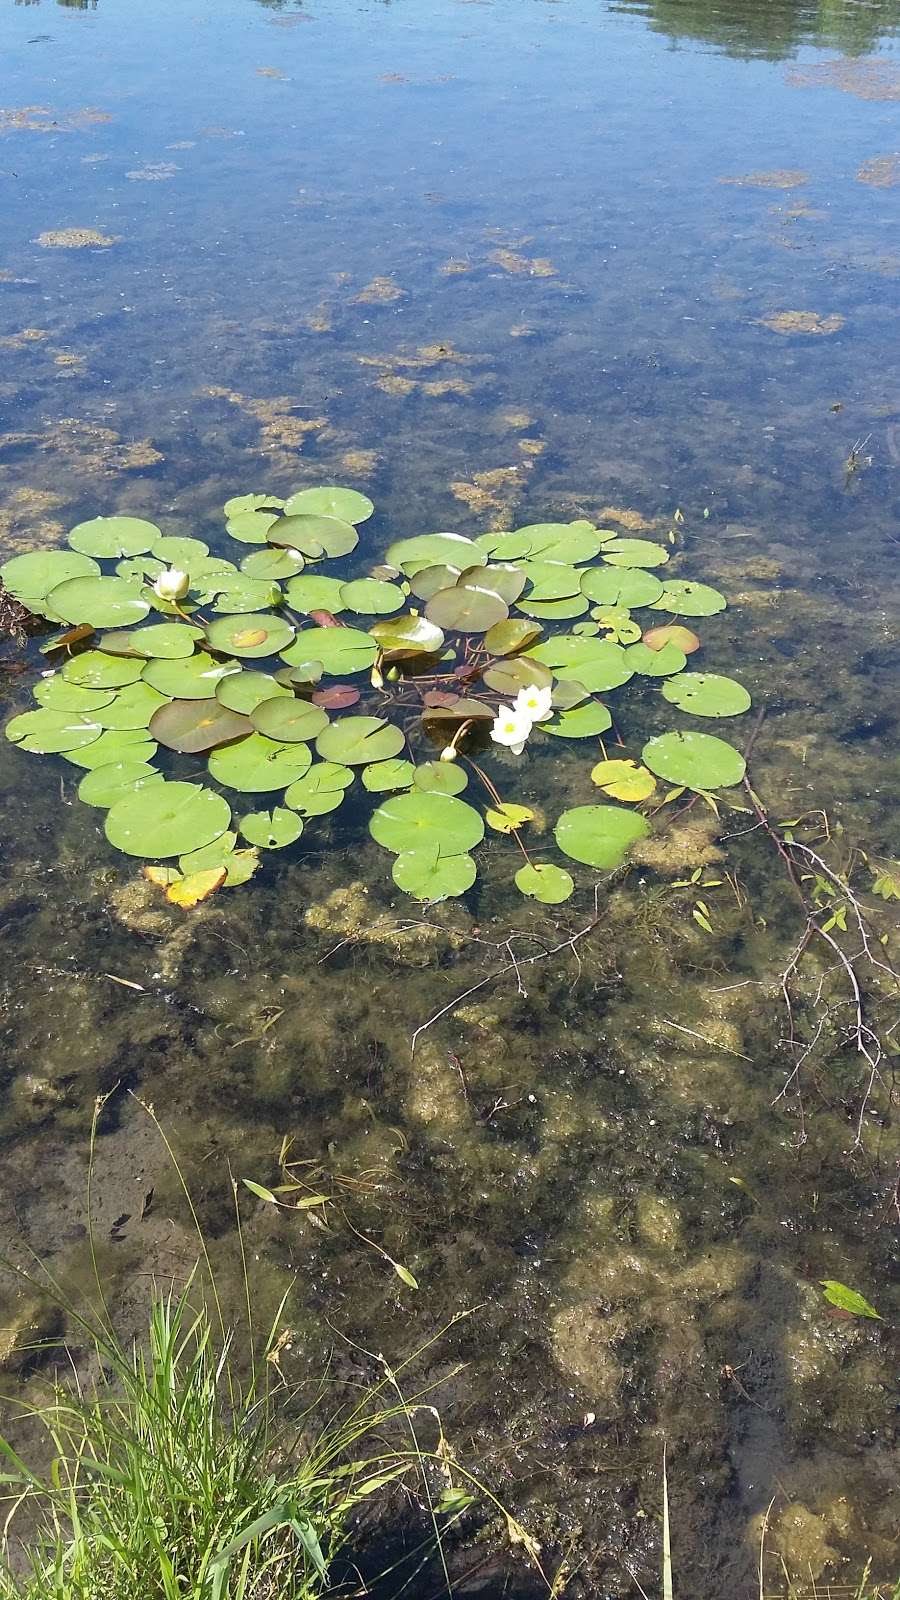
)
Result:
{"points": [[450, 672]]}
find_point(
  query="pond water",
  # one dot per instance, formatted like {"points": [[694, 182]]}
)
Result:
{"points": [[491, 262]]}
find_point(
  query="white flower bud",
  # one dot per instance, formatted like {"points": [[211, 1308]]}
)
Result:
{"points": [[173, 584]]}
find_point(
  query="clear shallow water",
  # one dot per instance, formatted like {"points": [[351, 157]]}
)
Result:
{"points": [[490, 263]]}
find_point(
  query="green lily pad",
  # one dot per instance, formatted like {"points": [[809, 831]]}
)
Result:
{"points": [[244, 691], [504, 638], [271, 830], [687, 599], [272, 565], [623, 587], [93, 669], [434, 550], [600, 836], [597, 664], [303, 675], [251, 527], [140, 569], [552, 580], [103, 602], [441, 777], [166, 819], [617, 624], [341, 651], [427, 875], [251, 502], [183, 553], [508, 677], [694, 760], [314, 536], [131, 707], [167, 641], [371, 597], [706, 694], [48, 732], [114, 744], [466, 610], [655, 663], [256, 764], [237, 595], [428, 580], [320, 790], [635, 553], [39, 571], [314, 593], [503, 579], [249, 636], [412, 821], [383, 776], [358, 741], [58, 695], [194, 679], [565, 542], [581, 722], [402, 638], [289, 720], [194, 725], [554, 610], [108, 537], [567, 694], [330, 501], [545, 882], [103, 786], [239, 865]]}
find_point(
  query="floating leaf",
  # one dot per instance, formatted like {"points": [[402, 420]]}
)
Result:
{"points": [[837, 1294], [194, 725], [336, 696], [256, 764], [456, 709], [409, 822], [618, 624], [600, 836], [672, 633], [95, 670], [292, 721], [504, 580], [504, 638], [466, 610], [404, 637], [567, 694], [249, 637], [383, 776], [103, 602], [114, 744], [48, 732], [597, 664], [180, 552], [313, 593], [565, 542], [628, 587], [552, 580], [315, 536], [271, 830], [690, 599], [694, 760], [342, 651], [189, 891], [58, 695], [251, 502], [105, 785], [347, 504], [427, 875], [251, 527], [435, 549], [131, 707], [239, 865], [65, 640], [357, 741], [243, 691], [167, 641], [166, 819], [300, 676], [371, 597], [554, 610], [655, 663], [320, 790], [39, 571], [194, 679], [273, 565], [508, 816], [508, 677], [635, 553], [140, 569], [623, 780], [545, 882], [706, 694], [441, 777], [582, 722], [114, 536], [239, 594], [429, 580]]}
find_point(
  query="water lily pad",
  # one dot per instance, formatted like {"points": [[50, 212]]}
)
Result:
{"points": [[166, 641], [271, 830], [383, 776], [508, 677], [242, 691], [107, 537], [706, 694], [554, 610], [617, 624], [655, 663], [251, 527], [272, 565], [320, 790], [428, 580], [545, 882], [694, 760], [330, 501], [402, 638], [194, 679], [236, 595], [251, 502], [566, 542], [183, 553], [672, 633], [290, 720], [314, 593], [371, 597], [114, 744], [48, 732], [427, 875], [194, 725], [466, 610], [503, 579], [300, 676], [131, 707], [582, 722], [552, 580], [249, 636], [623, 780], [103, 602], [597, 664], [314, 536], [412, 821], [507, 817], [239, 865], [166, 820], [58, 695], [357, 741], [140, 569], [435, 550], [457, 708], [95, 670], [567, 694], [39, 571], [600, 836], [256, 764], [441, 777], [688, 599], [635, 553], [341, 651], [103, 786], [625, 587], [504, 638], [336, 696]]}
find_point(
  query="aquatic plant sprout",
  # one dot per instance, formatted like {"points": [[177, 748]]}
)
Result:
{"points": [[187, 684]]}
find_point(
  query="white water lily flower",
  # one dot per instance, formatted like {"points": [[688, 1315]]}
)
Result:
{"points": [[511, 727], [448, 753], [534, 702], [173, 584]]}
